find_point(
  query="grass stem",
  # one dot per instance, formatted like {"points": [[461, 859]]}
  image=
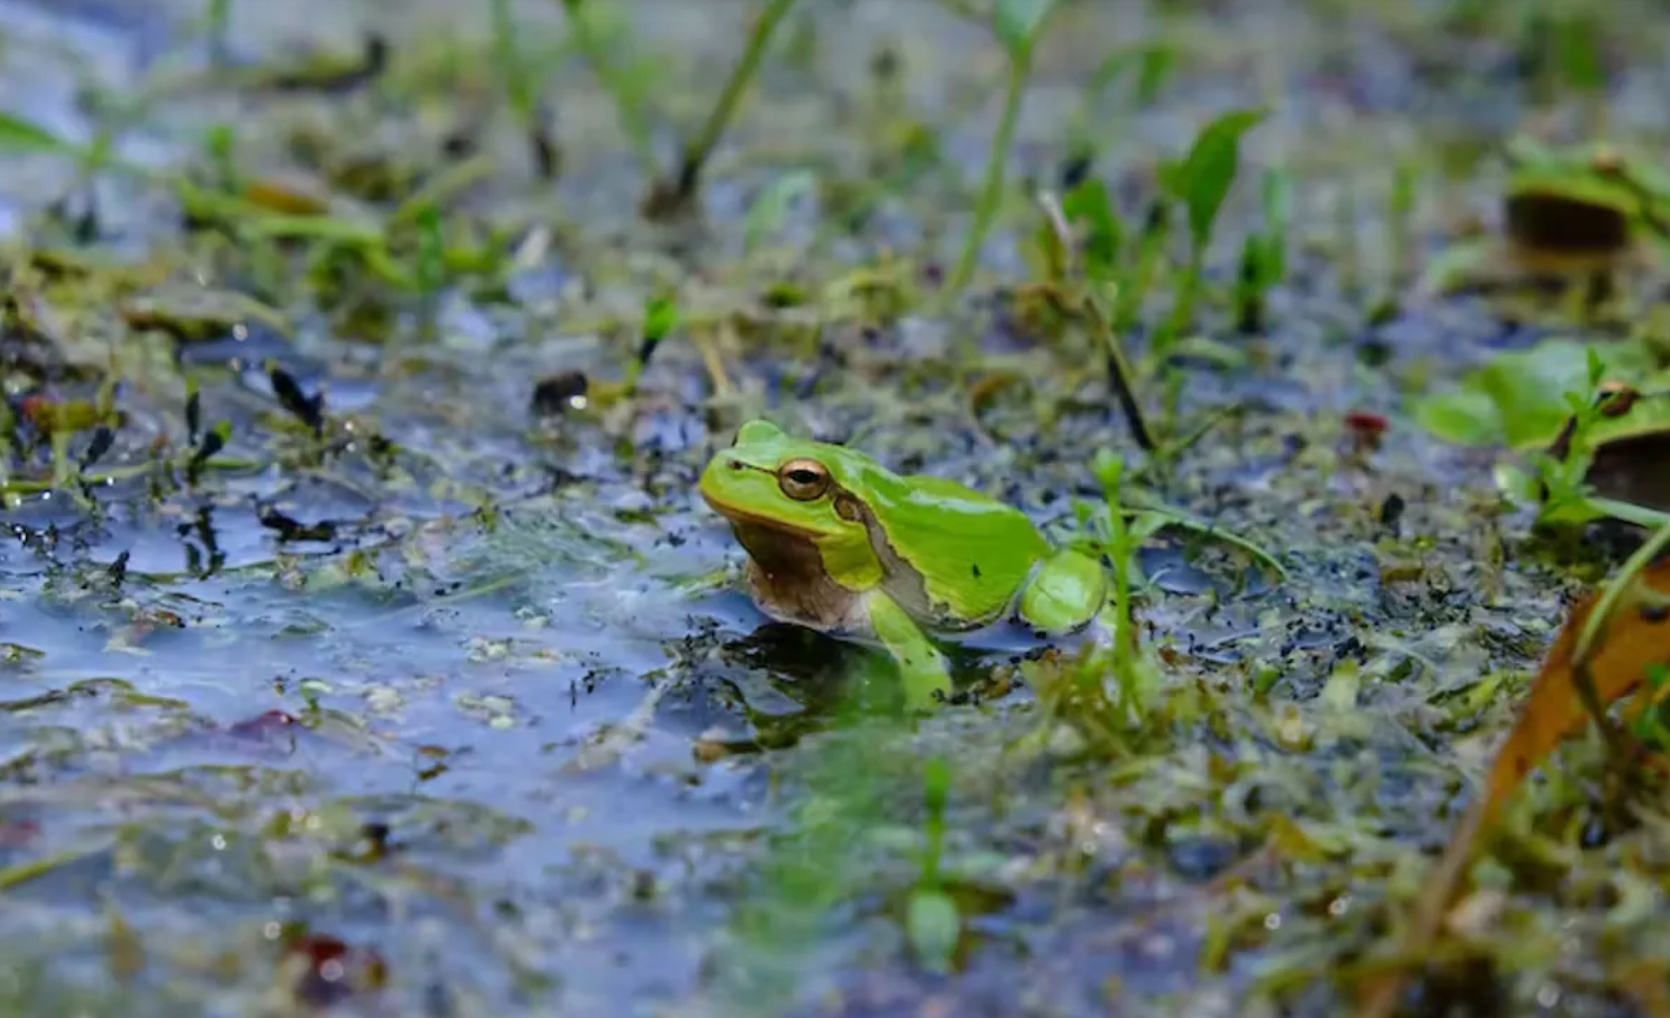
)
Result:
{"points": [[697, 153], [991, 193]]}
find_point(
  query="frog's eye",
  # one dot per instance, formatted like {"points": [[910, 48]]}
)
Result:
{"points": [[803, 480]]}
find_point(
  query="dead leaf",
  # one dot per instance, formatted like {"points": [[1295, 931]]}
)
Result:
{"points": [[1583, 673]]}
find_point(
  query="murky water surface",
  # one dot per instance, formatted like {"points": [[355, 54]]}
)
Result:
{"points": [[472, 740]]}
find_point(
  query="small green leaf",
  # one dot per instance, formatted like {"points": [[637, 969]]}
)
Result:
{"points": [[20, 135], [1153, 63], [1221, 356], [660, 318], [1203, 179], [1089, 204], [936, 784], [1467, 417], [1157, 61], [1018, 22], [1109, 468], [1145, 525], [1278, 218], [934, 927], [1516, 484], [1110, 70], [1579, 54]]}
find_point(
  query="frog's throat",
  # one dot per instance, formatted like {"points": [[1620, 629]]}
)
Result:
{"points": [[789, 581]]}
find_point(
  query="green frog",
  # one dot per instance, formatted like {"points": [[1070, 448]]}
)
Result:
{"points": [[838, 543], [1570, 212], [1582, 200]]}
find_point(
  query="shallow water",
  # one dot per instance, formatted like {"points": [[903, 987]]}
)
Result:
{"points": [[474, 741]]}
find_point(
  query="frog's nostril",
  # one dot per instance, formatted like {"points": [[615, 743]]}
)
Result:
{"points": [[736, 464]]}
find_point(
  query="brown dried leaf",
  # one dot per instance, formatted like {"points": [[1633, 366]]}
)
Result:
{"points": [[1633, 639]]}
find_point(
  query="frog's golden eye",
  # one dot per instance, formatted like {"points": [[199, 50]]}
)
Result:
{"points": [[803, 480]]}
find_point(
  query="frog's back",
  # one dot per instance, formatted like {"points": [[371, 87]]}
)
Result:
{"points": [[972, 552]]}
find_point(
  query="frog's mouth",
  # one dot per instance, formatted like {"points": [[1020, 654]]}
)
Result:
{"points": [[743, 519]]}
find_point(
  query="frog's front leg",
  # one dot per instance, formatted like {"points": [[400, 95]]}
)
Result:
{"points": [[921, 665]]}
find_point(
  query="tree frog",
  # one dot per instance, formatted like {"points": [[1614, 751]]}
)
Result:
{"points": [[1582, 198], [838, 543], [1570, 212]]}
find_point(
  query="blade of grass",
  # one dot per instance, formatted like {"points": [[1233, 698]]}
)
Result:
{"points": [[678, 192], [633, 123], [991, 191], [18, 134]]}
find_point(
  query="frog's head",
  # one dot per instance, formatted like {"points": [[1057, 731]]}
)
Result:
{"points": [[788, 484], [1582, 198], [778, 490]]}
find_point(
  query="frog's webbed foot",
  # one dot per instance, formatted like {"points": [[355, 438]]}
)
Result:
{"points": [[924, 670]]}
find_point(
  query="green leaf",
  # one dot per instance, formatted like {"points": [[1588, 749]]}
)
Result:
{"points": [[936, 784], [1109, 468], [1278, 218], [660, 318], [1221, 356], [20, 135], [1467, 417], [1202, 180], [1110, 70], [1520, 400], [1089, 204], [1153, 63], [1579, 54], [934, 926], [1018, 22], [1516, 483], [1157, 62]]}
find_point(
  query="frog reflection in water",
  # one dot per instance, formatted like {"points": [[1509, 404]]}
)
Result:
{"points": [[840, 544]]}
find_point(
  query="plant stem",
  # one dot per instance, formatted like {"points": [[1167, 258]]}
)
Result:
{"points": [[1020, 68], [1121, 378], [1188, 294], [1152, 247], [632, 122], [509, 58], [697, 153], [1599, 616], [218, 23], [1124, 642]]}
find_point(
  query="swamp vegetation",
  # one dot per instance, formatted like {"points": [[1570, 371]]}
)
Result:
{"points": [[367, 649]]}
